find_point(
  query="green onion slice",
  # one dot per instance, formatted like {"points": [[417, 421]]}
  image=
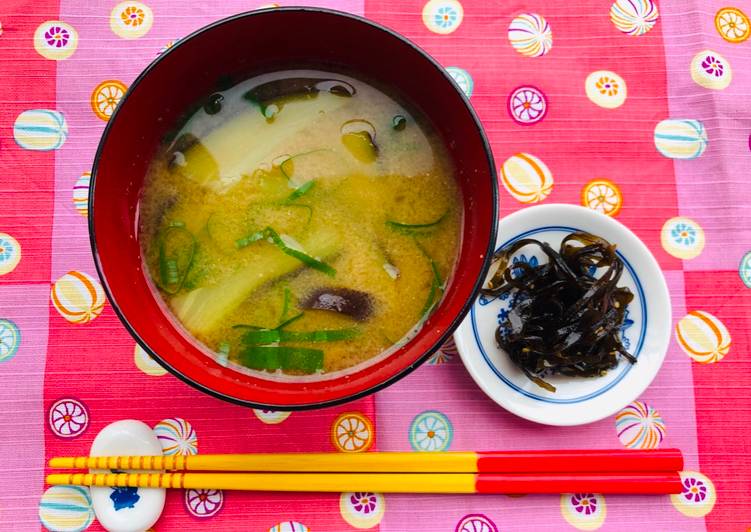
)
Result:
{"points": [[248, 240], [274, 336], [176, 252], [300, 191], [274, 357], [411, 229], [299, 255], [436, 286]]}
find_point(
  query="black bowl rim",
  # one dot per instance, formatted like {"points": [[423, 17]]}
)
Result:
{"points": [[397, 376]]}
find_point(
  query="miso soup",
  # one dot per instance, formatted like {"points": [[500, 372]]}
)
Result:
{"points": [[301, 222]]}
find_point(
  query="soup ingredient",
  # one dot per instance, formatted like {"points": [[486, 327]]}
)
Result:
{"points": [[358, 136], [261, 349], [411, 229], [214, 104], [353, 303], [224, 155], [282, 186], [176, 253], [203, 309], [277, 357], [567, 320]]}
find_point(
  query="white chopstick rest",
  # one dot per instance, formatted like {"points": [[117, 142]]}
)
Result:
{"points": [[126, 509]]}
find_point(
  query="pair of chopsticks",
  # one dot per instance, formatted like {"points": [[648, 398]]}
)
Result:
{"points": [[509, 472]]}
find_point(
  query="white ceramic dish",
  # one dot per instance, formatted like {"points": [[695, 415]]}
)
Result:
{"points": [[577, 400]]}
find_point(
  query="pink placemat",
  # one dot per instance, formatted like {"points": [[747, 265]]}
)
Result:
{"points": [[637, 108]]}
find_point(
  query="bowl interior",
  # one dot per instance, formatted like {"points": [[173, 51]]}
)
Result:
{"points": [[239, 47]]}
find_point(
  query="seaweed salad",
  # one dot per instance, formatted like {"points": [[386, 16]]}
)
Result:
{"points": [[567, 319]]}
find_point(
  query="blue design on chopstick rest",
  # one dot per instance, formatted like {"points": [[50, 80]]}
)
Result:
{"points": [[124, 497], [40, 130], [511, 300], [430, 431]]}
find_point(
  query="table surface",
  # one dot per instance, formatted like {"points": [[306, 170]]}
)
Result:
{"points": [[693, 213]]}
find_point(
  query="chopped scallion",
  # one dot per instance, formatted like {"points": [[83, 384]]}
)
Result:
{"points": [[411, 229], [275, 357], [273, 336], [299, 255]]}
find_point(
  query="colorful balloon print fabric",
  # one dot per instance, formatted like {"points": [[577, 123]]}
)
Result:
{"points": [[638, 109]]}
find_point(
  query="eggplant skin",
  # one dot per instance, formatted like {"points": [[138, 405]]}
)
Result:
{"points": [[353, 303]]}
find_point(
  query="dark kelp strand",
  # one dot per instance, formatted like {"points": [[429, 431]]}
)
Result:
{"points": [[568, 312]]}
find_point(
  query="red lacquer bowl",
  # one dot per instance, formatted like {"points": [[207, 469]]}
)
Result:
{"points": [[240, 47]]}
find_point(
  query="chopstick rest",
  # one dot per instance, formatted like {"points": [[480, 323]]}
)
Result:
{"points": [[122, 508]]}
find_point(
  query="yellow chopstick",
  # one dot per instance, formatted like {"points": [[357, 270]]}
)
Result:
{"points": [[646, 483], [446, 462], [545, 461], [320, 482]]}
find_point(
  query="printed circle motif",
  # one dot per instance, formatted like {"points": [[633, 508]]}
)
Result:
{"points": [[682, 237], [744, 270], [10, 339], [430, 431], [40, 130], [584, 511], [106, 96], [362, 509], [203, 502], [526, 178], [176, 436], [527, 105], [442, 16], [710, 70], [271, 417], [289, 526], [475, 523], [697, 497], [732, 24], [444, 354], [78, 297], [703, 337], [145, 363], [131, 20], [634, 17], [352, 432], [681, 138], [66, 509], [530, 35], [10, 253], [81, 194], [68, 418], [463, 79], [602, 196], [55, 40], [639, 426], [606, 89]]}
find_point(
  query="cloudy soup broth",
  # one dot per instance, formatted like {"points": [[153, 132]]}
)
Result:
{"points": [[301, 222]]}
